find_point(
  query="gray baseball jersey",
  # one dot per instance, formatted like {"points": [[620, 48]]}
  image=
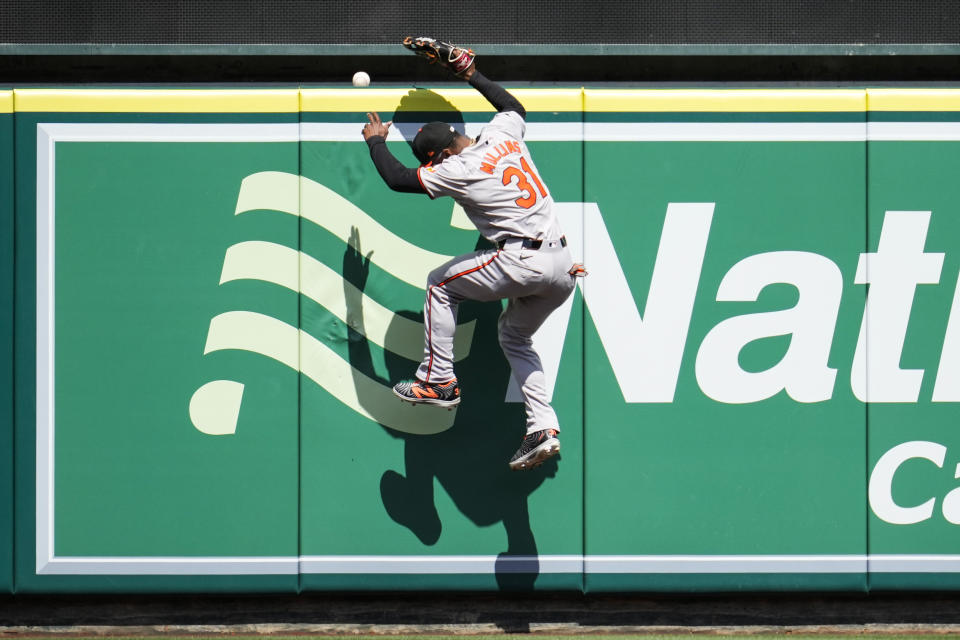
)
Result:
{"points": [[496, 183]]}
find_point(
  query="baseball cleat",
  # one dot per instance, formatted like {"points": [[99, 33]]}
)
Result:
{"points": [[536, 448], [443, 394]]}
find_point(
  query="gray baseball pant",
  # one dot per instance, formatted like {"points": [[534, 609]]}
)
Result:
{"points": [[534, 281]]}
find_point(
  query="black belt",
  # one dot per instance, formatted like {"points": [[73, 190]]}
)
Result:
{"points": [[530, 243]]}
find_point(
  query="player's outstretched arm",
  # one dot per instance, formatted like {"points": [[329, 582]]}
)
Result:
{"points": [[397, 176], [500, 98], [462, 62]]}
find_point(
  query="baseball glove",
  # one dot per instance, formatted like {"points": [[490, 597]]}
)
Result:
{"points": [[455, 58]]}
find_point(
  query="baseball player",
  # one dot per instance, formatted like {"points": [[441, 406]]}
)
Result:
{"points": [[494, 179]]}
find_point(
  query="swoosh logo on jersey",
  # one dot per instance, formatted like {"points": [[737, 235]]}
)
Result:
{"points": [[215, 406]]}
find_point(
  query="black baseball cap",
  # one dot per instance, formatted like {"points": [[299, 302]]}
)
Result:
{"points": [[431, 139]]}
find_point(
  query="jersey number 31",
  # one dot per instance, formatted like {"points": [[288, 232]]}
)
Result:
{"points": [[528, 196]]}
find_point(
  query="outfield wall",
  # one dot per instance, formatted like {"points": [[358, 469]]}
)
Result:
{"points": [[213, 292]]}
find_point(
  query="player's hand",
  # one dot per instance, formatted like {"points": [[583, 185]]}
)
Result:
{"points": [[375, 127]]}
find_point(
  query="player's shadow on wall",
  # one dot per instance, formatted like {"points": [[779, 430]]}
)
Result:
{"points": [[469, 460], [420, 106]]}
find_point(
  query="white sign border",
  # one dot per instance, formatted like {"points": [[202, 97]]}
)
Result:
{"points": [[47, 563]]}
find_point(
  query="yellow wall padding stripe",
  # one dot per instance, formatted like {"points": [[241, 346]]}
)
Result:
{"points": [[720, 100], [913, 99], [158, 100], [390, 100], [6, 101], [467, 99]]}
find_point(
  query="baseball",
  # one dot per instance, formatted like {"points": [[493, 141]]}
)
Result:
{"points": [[361, 79]]}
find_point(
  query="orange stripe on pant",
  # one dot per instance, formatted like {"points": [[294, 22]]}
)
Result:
{"points": [[430, 307]]}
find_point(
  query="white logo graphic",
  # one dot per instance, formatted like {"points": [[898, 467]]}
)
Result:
{"points": [[645, 351], [215, 406]]}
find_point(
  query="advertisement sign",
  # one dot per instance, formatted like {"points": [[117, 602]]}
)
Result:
{"points": [[215, 292]]}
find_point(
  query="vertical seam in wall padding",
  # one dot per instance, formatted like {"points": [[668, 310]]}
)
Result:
{"points": [[13, 348], [866, 373], [299, 341], [583, 349]]}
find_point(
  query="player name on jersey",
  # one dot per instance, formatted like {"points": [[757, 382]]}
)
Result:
{"points": [[499, 152]]}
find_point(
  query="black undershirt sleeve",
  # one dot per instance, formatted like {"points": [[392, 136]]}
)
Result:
{"points": [[499, 97], [397, 176]]}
